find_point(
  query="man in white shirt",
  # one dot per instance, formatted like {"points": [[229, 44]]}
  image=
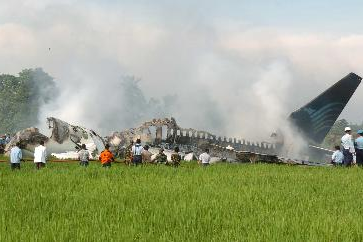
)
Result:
{"points": [[40, 155], [204, 158], [348, 147], [136, 152], [337, 157]]}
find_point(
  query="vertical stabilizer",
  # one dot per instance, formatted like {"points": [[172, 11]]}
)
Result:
{"points": [[316, 118]]}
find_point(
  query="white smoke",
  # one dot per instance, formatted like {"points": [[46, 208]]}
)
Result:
{"points": [[228, 78]]}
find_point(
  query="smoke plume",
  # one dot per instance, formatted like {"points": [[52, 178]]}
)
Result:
{"points": [[118, 65]]}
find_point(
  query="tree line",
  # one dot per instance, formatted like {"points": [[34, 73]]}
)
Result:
{"points": [[21, 98]]}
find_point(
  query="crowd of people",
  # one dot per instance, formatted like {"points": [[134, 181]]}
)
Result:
{"points": [[348, 153], [351, 150], [136, 154]]}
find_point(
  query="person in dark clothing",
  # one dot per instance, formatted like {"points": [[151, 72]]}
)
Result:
{"points": [[359, 148]]}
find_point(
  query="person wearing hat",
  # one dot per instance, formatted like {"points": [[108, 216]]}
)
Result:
{"points": [[359, 147], [348, 147]]}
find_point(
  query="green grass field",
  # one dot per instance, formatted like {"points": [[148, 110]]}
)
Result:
{"points": [[225, 202]]}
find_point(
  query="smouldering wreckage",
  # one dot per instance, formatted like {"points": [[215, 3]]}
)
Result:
{"points": [[313, 121], [66, 139]]}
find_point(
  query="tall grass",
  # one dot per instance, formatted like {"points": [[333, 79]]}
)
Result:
{"points": [[65, 202]]}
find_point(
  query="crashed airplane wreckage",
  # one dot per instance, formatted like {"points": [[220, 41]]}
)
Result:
{"points": [[66, 139], [167, 133], [313, 121], [64, 142]]}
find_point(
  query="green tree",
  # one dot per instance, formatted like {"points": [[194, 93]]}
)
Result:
{"points": [[22, 97], [337, 131]]}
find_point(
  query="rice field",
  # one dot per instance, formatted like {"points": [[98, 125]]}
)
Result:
{"points": [[224, 202]]}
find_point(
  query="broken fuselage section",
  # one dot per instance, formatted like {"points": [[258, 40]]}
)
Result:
{"points": [[64, 142], [168, 134]]}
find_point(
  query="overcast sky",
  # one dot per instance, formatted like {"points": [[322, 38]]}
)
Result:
{"points": [[245, 62]]}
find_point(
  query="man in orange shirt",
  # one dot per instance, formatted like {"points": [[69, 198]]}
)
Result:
{"points": [[106, 157]]}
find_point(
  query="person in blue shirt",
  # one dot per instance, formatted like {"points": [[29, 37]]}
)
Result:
{"points": [[15, 157], [359, 147], [337, 157]]}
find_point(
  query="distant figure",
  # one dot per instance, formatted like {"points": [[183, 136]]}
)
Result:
{"points": [[2, 144], [337, 157], [83, 156], [128, 153], [106, 157], [7, 139], [146, 155], [136, 153], [15, 157], [161, 158], [348, 147], [2, 140], [175, 157], [204, 158], [40, 155], [359, 148]]}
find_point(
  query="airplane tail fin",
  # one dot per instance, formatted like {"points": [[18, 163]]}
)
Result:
{"points": [[316, 118]]}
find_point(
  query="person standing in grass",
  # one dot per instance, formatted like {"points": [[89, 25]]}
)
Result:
{"points": [[204, 158], [128, 153], [359, 147], [161, 158], [175, 157], [106, 157], [40, 155], [136, 152], [7, 139], [83, 156], [146, 155], [15, 157], [337, 157], [348, 147], [2, 144]]}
